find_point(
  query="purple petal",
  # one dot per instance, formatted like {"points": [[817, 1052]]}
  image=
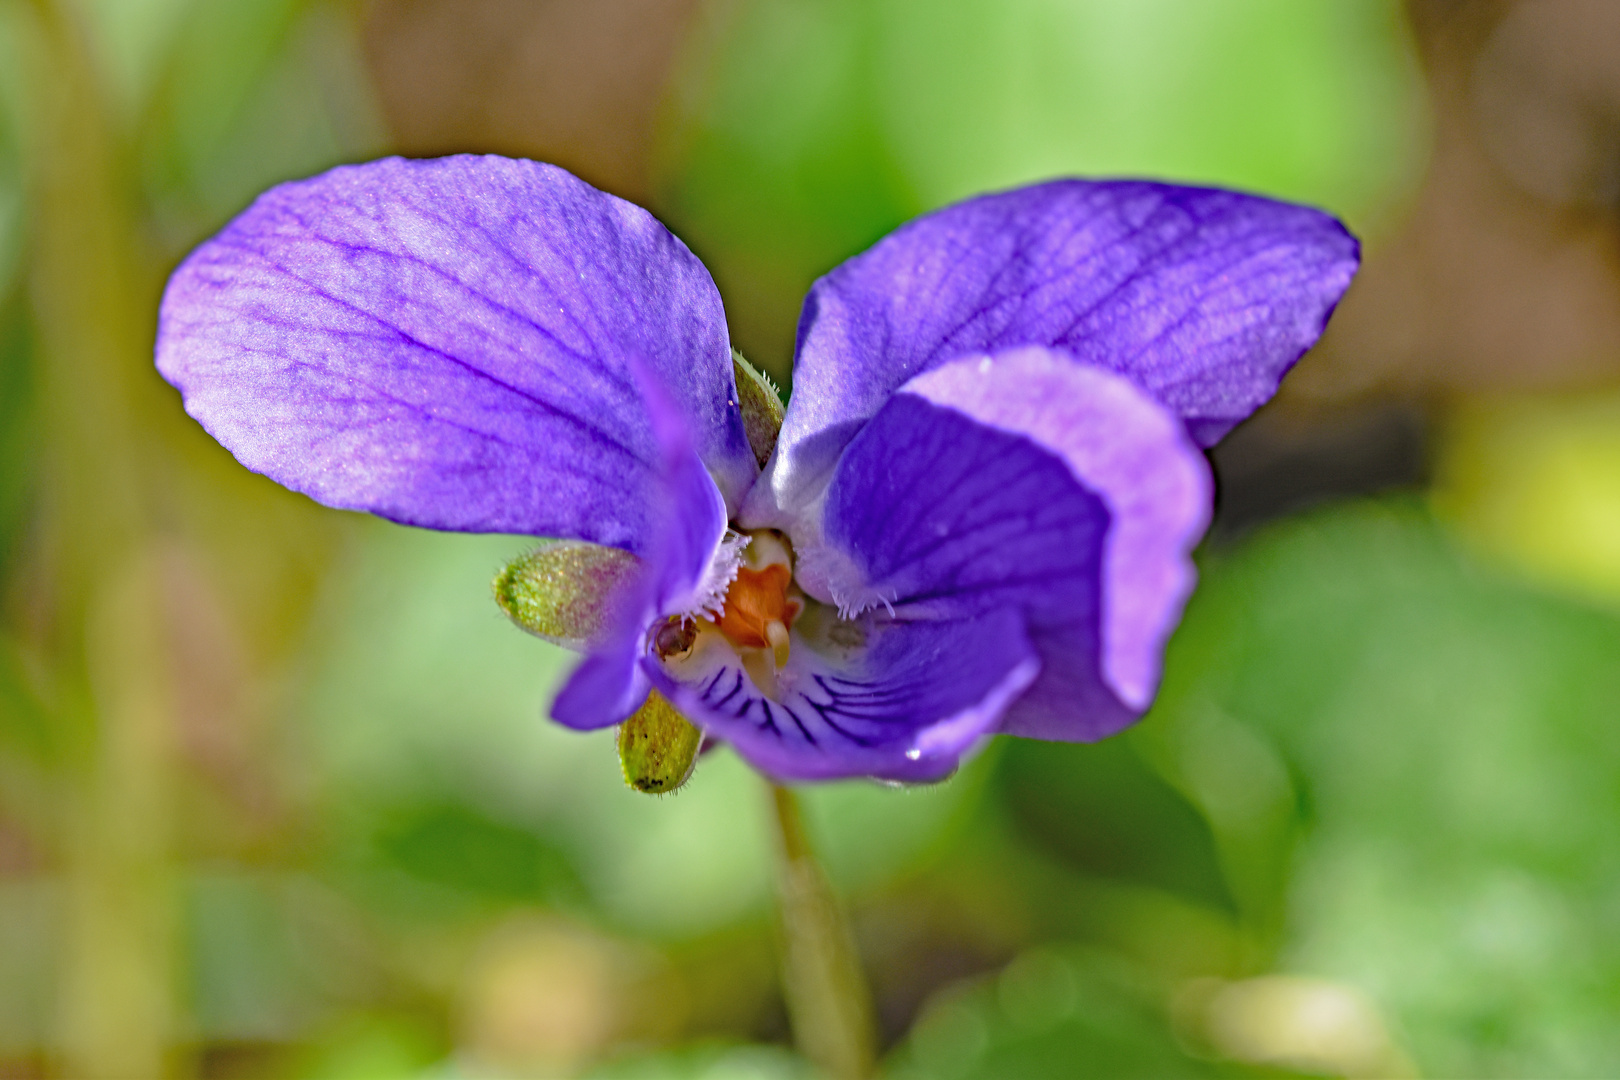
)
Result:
{"points": [[606, 687], [1024, 480], [1204, 298], [689, 519], [902, 701], [448, 343], [874, 697]]}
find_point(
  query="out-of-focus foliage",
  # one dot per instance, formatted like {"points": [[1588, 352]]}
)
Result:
{"points": [[253, 93], [136, 791], [225, 99], [986, 95], [459, 804], [1446, 735], [807, 130], [709, 1063], [11, 181], [1365, 830], [1052, 1012], [15, 441], [1535, 482], [1401, 763]]}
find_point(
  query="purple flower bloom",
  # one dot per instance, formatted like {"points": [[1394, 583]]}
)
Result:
{"points": [[979, 513]]}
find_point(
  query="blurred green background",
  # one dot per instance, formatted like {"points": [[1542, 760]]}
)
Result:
{"points": [[277, 797]]}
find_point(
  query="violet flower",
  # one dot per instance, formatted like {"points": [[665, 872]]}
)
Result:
{"points": [[978, 515]]}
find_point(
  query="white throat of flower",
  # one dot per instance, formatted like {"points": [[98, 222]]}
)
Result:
{"points": [[709, 597]]}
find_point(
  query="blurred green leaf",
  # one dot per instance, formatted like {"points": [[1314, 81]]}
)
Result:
{"points": [[867, 833], [1452, 737], [1053, 1012], [424, 689], [373, 1047], [254, 975], [15, 392], [705, 1062], [17, 434], [132, 40], [1103, 811], [1315, 102], [804, 131], [427, 701], [13, 138], [30, 956], [253, 92], [777, 168], [220, 55], [780, 135], [11, 200], [25, 725], [455, 846]]}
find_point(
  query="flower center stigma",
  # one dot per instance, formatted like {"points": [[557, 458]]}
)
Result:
{"points": [[753, 615]]}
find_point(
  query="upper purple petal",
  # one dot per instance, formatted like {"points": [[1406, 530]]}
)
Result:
{"points": [[1202, 297], [1024, 481], [449, 343]]}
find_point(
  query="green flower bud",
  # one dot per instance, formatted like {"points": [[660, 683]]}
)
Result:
{"points": [[761, 405], [657, 747], [560, 590]]}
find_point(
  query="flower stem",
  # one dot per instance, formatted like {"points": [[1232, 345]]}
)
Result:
{"points": [[828, 1002]]}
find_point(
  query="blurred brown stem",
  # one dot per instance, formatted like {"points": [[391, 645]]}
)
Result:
{"points": [[828, 1002]]}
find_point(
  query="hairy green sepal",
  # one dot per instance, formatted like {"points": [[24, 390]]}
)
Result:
{"points": [[560, 590], [761, 407], [657, 747]]}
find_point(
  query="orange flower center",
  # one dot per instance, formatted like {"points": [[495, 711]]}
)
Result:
{"points": [[757, 612]]}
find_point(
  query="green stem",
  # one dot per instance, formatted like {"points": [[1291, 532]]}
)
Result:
{"points": [[828, 1002]]}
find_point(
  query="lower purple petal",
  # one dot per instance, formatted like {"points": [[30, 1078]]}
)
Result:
{"points": [[895, 699], [607, 686]]}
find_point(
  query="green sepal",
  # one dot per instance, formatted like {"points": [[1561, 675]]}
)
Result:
{"points": [[657, 747], [761, 405], [560, 591]]}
